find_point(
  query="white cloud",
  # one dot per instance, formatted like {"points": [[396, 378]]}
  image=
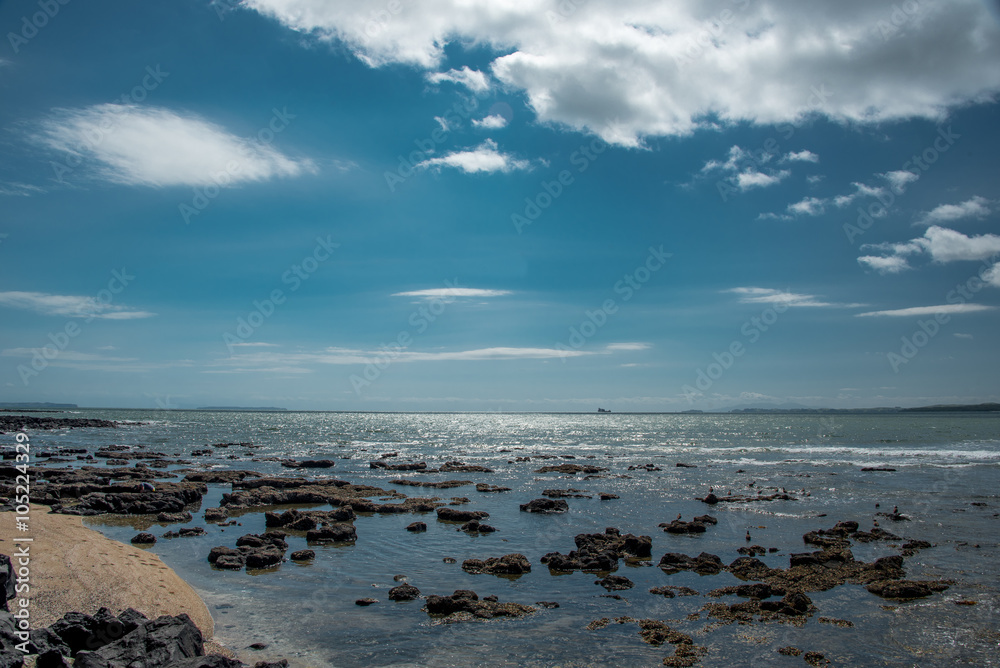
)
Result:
{"points": [[860, 190], [755, 295], [452, 293], [474, 80], [977, 207], [491, 122], [801, 156], [348, 356], [751, 179], [611, 347], [627, 69], [14, 189], [940, 243], [915, 311], [157, 147], [899, 179], [483, 158], [810, 206], [813, 179], [70, 306], [885, 265], [992, 275]]}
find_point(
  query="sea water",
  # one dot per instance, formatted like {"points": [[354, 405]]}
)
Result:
{"points": [[945, 479]]}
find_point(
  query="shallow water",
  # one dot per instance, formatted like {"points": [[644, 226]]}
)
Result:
{"points": [[307, 613]]}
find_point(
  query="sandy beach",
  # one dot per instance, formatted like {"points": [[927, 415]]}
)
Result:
{"points": [[74, 568]]}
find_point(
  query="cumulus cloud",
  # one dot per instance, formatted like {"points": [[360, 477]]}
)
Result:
{"points": [[916, 311], [474, 80], [156, 147], [801, 156], [628, 69], [69, 306], [483, 158], [899, 179], [491, 122], [755, 295], [977, 207], [942, 244], [742, 169], [810, 206]]}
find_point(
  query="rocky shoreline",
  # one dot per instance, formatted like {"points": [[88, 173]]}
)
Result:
{"points": [[768, 594]]}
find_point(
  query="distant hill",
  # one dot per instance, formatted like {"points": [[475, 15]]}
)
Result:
{"points": [[37, 405], [954, 408], [240, 408]]}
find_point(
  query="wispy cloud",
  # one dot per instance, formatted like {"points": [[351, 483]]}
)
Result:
{"points": [[977, 207], [947, 309], [483, 158], [810, 206], [755, 295], [744, 169], [474, 80], [634, 346], [452, 293], [156, 147], [14, 189], [899, 179], [70, 306]]}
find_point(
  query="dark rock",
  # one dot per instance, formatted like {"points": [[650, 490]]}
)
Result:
{"points": [[459, 467], [174, 518], [703, 564], [404, 592], [263, 557], [231, 562], [548, 605], [309, 464], [451, 515], [364, 602], [615, 582], [417, 526], [685, 466], [220, 477], [216, 514], [605, 496], [570, 469], [447, 484], [220, 551], [209, 661], [475, 526], [508, 564], [905, 590], [192, 531], [545, 506], [484, 487], [143, 539], [566, 494], [162, 641], [406, 466], [464, 600], [303, 555], [335, 533]]}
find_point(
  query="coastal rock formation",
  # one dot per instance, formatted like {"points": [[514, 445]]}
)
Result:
{"points": [[404, 592], [484, 487], [302, 555], [333, 533], [570, 469], [447, 514], [615, 582], [508, 564], [475, 526], [309, 464], [461, 467], [22, 422], [405, 466], [569, 493], [697, 525], [416, 526], [446, 484], [467, 602], [545, 506], [143, 539], [703, 564], [598, 552]]}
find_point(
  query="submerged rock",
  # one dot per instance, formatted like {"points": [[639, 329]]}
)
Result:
{"points": [[508, 564], [545, 506]]}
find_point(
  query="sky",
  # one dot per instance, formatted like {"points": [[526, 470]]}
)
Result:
{"points": [[532, 205]]}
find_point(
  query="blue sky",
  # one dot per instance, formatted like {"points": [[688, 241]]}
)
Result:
{"points": [[530, 205]]}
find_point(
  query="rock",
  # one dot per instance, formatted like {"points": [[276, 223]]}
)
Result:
{"points": [[405, 466], [174, 518], [815, 658], [685, 466], [905, 590], [703, 564], [231, 562], [49, 659], [484, 487], [447, 484], [644, 467], [364, 602], [475, 526], [143, 539], [605, 496], [548, 605], [220, 551], [303, 555], [263, 557], [459, 467], [545, 506], [570, 469], [878, 468], [216, 514], [416, 526], [335, 533], [404, 592], [309, 464], [680, 526], [566, 494], [192, 531], [158, 642], [464, 600], [615, 583], [451, 515], [508, 564], [790, 650], [450, 560], [220, 477], [209, 661], [671, 591]]}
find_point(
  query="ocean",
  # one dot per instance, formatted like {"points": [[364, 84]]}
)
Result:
{"points": [[945, 481]]}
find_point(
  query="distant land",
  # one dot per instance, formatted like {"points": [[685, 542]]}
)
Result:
{"points": [[940, 408], [239, 408], [37, 405]]}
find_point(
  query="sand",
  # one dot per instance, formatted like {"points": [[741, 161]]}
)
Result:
{"points": [[74, 568]]}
